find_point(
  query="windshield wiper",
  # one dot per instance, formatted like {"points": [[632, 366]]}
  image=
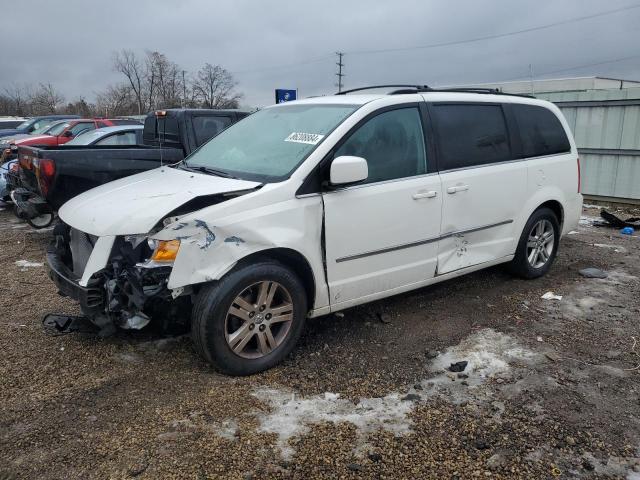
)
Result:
{"points": [[209, 170]]}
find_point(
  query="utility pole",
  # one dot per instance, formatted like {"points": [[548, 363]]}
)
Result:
{"points": [[533, 92], [340, 74], [184, 91]]}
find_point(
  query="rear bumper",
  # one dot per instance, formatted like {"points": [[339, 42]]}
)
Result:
{"points": [[90, 298]]}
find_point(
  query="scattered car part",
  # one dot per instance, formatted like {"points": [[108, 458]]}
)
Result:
{"points": [[615, 222]]}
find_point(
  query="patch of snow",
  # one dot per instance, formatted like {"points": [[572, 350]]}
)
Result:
{"points": [[488, 353], [22, 225], [590, 205], [615, 248], [291, 416], [551, 296], [573, 232], [24, 264], [587, 220]]}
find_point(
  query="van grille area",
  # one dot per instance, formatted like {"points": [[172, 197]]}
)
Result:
{"points": [[81, 245]]}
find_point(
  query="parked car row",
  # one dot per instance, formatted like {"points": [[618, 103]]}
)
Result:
{"points": [[300, 210]]}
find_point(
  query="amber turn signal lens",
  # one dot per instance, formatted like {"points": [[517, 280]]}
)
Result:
{"points": [[166, 251]]}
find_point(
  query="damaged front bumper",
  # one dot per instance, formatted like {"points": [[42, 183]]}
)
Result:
{"points": [[125, 293]]}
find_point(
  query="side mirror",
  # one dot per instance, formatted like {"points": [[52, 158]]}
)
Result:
{"points": [[68, 134], [347, 169]]}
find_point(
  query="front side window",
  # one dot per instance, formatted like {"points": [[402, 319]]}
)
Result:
{"points": [[82, 127], [58, 129], [540, 131], [270, 144], [208, 127], [470, 135], [392, 143]]}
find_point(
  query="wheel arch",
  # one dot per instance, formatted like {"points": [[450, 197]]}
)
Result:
{"points": [[556, 207], [292, 259]]}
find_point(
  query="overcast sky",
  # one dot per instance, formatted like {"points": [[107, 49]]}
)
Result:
{"points": [[290, 44]]}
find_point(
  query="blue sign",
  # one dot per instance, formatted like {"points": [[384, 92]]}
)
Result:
{"points": [[284, 95]]}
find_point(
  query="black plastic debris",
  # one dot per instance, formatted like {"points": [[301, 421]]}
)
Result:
{"points": [[616, 222], [58, 324], [458, 366], [593, 273]]}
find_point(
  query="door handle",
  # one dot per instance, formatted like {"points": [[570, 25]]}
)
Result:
{"points": [[457, 188], [429, 194]]}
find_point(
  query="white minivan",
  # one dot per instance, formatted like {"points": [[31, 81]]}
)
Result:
{"points": [[318, 205]]}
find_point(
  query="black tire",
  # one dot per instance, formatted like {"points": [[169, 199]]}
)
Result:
{"points": [[520, 265], [209, 319]]}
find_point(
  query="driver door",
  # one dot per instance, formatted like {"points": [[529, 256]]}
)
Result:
{"points": [[382, 234]]}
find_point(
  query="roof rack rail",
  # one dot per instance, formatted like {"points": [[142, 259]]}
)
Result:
{"points": [[406, 88], [372, 87]]}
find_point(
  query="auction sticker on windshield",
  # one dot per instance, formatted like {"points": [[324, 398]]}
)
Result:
{"points": [[310, 138]]}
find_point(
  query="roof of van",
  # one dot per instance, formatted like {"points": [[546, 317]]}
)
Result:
{"points": [[361, 99]]}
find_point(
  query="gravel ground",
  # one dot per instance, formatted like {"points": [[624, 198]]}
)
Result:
{"points": [[551, 389]]}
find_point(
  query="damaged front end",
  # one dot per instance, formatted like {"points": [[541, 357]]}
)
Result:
{"points": [[128, 292]]}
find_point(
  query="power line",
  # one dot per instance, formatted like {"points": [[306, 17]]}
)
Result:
{"points": [[577, 67], [340, 74], [500, 35]]}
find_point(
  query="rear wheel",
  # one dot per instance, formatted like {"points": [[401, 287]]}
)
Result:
{"points": [[251, 319], [538, 245]]}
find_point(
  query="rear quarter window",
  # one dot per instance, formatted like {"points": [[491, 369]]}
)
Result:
{"points": [[207, 127], [469, 135], [541, 132]]}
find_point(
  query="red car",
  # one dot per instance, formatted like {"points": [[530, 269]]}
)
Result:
{"points": [[65, 131]]}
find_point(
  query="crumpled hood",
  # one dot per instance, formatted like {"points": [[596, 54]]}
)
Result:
{"points": [[133, 205]]}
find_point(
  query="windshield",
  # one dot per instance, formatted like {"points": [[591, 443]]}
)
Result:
{"points": [[58, 129], [26, 124], [42, 127], [271, 143]]}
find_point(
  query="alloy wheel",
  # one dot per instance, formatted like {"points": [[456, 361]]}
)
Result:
{"points": [[259, 319], [540, 243]]}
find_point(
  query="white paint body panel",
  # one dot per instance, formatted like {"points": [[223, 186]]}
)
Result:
{"points": [[357, 220], [375, 220], [482, 196], [135, 204]]}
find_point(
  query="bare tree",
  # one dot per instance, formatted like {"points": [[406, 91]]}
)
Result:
{"points": [[213, 87], [127, 63], [116, 100], [45, 100], [18, 97]]}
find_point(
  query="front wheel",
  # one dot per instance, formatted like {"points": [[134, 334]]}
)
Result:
{"points": [[251, 319], [538, 245]]}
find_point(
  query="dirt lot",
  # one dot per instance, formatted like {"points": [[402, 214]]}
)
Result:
{"points": [[551, 389]]}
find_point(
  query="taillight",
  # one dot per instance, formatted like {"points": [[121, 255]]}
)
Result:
{"points": [[579, 178], [46, 170]]}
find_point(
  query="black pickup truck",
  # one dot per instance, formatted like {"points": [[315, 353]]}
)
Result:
{"points": [[49, 176]]}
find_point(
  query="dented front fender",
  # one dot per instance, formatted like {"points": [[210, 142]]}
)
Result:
{"points": [[209, 249]]}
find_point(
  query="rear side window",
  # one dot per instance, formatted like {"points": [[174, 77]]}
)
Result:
{"points": [[208, 127], [470, 134], [540, 131], [121, 138], [392, 143]]}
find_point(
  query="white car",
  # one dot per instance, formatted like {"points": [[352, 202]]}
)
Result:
{"points": [[318, 205]]}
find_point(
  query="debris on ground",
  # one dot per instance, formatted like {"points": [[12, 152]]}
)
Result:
{"points": [[458, 366], [627, 231], [551, 296], [616, 222], [593, 273]]}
